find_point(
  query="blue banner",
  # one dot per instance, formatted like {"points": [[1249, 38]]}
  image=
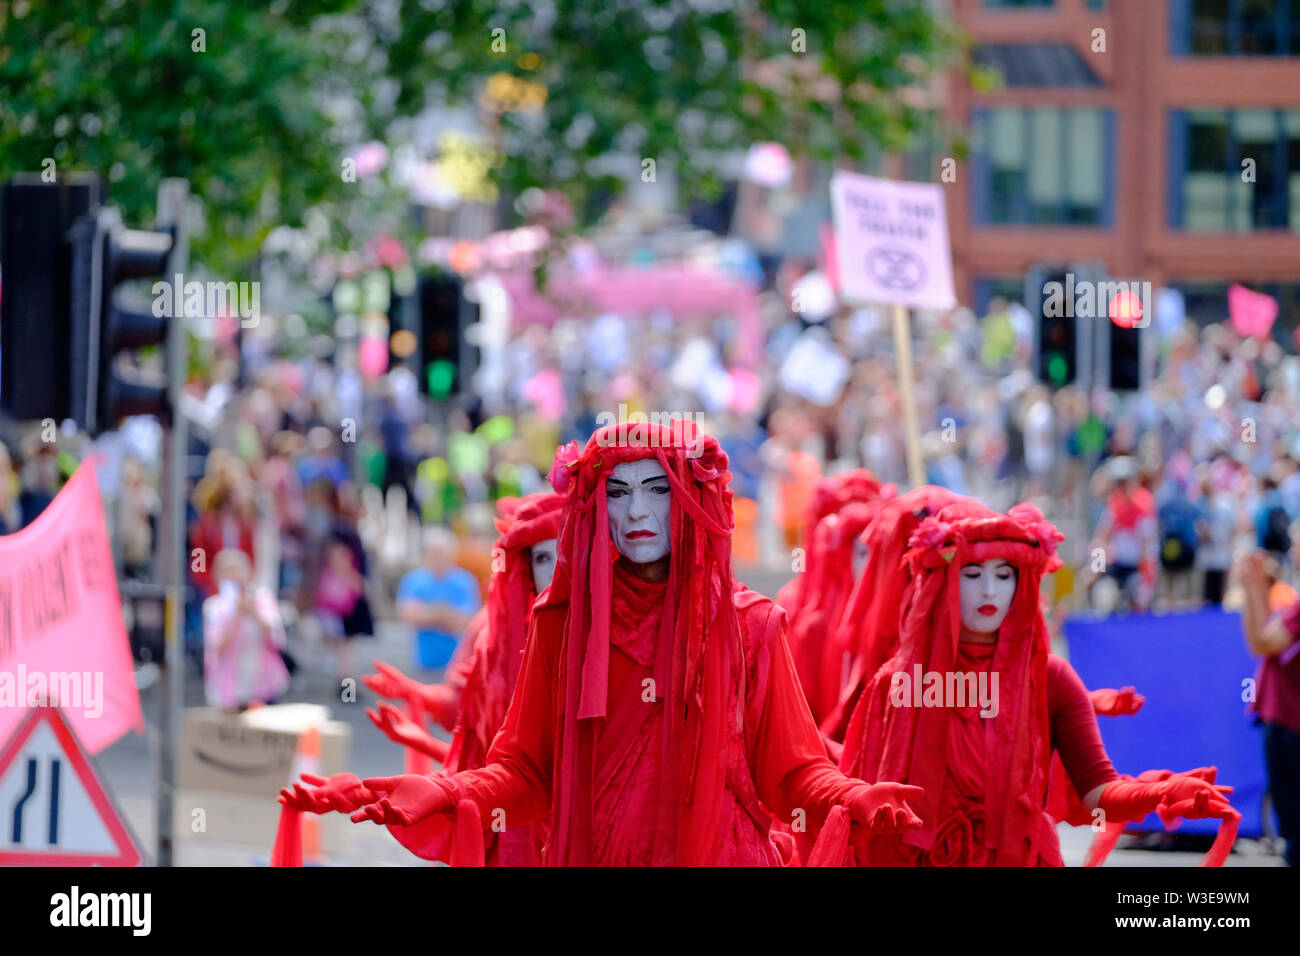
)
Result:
{"points": [[1195, 672]]}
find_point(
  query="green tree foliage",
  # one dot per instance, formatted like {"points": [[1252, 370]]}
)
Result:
{"points": [[132, 92], [260, 120]]}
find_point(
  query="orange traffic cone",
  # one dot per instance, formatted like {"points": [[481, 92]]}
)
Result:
{"points": [[307, 760]]}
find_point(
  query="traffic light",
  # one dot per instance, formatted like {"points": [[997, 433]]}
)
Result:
{"points": [[36, 258], [65, 316], [109, 320], [1049, 297], [445, 358], [1124, 349]]}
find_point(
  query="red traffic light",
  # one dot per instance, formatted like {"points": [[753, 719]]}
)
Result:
{"points": [[1126, 309]]}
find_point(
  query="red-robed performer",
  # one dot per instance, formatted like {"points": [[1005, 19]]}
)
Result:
{"points": [[831, 571], [973, 622], [830, 494], [867, 633], [657, 717], [524, 562]]}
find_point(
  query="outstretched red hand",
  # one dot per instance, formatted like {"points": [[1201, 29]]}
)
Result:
{"points": [[1191, 795], [1116, 703], [390, 682], [882, 807], [405, 800], [437, 700], [342, 792], [403, 730]]}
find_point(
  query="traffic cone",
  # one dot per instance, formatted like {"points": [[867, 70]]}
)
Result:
{"points": [[306, 759]]}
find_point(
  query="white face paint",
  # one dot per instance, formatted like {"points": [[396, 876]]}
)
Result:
{"points": [[986, 593], [639, 498], [860, 552], [543, 564]]}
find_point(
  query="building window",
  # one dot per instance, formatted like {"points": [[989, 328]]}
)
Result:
{"points": [[1236, 27], [987, 288], [1234, 170], [1043, 166]]}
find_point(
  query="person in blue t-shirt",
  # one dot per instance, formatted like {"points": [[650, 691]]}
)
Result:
{"points": [[437, 599]]}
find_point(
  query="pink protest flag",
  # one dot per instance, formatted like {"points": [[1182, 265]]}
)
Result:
{"points": [[1252, 313], [62, 639]]}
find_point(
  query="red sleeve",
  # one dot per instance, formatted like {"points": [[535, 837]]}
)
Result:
{"points": [[1074, 729], [517, 776], [787, 755]]}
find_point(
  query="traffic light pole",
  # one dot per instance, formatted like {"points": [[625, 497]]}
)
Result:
{"points": [[172, 197]]}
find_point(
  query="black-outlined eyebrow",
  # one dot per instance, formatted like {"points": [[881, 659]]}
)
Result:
{"points": [[619, 481]]}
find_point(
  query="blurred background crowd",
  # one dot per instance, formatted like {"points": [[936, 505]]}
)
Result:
{"points": [[326, 478]]}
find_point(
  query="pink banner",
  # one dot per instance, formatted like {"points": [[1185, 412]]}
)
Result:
{"points": [[62, 639], [1252, 313], [683, 291]]}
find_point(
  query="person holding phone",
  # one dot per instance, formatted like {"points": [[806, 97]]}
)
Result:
{"points": [[242, 638]]}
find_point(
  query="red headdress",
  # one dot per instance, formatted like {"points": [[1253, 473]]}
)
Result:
{"points": [[909, 744], [699, 649], [868, 628]]}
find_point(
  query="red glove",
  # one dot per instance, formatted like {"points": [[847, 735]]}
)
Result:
{"points": [[1116, 703], [1178, 795], [407, 799], [342, 792], [389, 682], [405, 731], [882, 807], [438, 700]]}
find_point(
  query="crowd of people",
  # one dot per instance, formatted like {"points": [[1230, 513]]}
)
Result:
{"points": [[324, 477]]}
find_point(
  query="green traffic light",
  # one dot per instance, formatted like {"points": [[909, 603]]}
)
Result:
{"points": [[441, 374], [1057, 368]]}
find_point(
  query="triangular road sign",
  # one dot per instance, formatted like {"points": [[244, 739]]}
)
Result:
{"points": [[53, 809]]}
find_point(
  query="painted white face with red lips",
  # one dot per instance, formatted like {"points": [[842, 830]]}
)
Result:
{"points": [[639, 501], [986, 592]]}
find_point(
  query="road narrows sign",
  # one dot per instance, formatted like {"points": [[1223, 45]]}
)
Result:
{"points": [[53, 809]]}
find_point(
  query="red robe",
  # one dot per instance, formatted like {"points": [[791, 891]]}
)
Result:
{"points": [[783, 767]]}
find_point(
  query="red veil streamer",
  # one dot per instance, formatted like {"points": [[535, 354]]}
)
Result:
{"points": [[699, 658]]}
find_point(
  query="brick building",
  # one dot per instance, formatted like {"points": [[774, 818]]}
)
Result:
{"points": [[1128, 132]]}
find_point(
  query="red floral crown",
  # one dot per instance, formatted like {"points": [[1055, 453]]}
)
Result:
{"points": [[1022, 535], [610, 445]]}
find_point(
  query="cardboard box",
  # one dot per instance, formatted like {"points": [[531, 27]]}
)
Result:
{"points": [[252, 753]]}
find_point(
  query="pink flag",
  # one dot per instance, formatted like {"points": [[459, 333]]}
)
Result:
{"points": [[62, 640], [1252, 313]]}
